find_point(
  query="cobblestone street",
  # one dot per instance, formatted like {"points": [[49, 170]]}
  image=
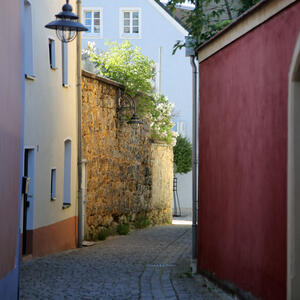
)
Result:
{"points": [[146, 264]]}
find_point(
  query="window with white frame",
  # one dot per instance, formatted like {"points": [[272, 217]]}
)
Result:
{"points": [[130, 23], [92, 19]]}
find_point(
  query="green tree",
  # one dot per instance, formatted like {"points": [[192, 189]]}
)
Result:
{"points": [[209, 17], [126, 65], [246, 4], [183, 158]]}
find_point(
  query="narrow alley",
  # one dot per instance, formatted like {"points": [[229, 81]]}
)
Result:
{"points": [[152, 263]]}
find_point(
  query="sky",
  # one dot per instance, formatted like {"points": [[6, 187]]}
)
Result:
{"points": [[186, 3]]}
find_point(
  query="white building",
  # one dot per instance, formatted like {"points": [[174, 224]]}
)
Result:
{"points": [[148, 25], [50, 141]]}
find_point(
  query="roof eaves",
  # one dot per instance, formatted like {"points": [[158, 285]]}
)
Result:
{"points": [[170, 13]]}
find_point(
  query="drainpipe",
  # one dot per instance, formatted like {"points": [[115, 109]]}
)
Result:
{"points": [[195, 163], [159, 77], [79, 152]]}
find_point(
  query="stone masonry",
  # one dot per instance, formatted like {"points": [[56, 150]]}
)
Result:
{"points": [[162, 182], [123, 163]]}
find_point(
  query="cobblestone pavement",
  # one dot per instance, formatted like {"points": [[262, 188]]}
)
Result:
{"points": [[146, 264]]}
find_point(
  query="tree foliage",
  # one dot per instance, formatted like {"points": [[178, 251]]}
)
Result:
{"points": [[209, 17], [161, 118], [128, 66], [183, 158]]}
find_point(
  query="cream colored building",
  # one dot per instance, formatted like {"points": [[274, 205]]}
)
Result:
{"points": [[50, 139]]}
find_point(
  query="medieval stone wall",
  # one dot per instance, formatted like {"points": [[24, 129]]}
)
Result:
{"points": [[123, 163]]}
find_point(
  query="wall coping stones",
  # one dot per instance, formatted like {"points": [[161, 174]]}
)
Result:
{"points": [[102, 79]]}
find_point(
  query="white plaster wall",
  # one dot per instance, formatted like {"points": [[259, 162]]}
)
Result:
{"points": [[50, 116]]}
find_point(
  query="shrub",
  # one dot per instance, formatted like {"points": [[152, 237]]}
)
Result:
{"points": [[123, 229], [126, 65], [103, 234], [142, 221], [183, 155], [161, 119]]}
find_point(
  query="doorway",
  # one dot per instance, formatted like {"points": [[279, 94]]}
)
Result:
{"points": [[28, 203]]}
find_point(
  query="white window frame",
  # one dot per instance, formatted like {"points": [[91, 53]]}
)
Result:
{"points": [[121, 23], [92, 34]]}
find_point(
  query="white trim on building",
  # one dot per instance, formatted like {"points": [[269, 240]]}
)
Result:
{"points": [[93, 10]]}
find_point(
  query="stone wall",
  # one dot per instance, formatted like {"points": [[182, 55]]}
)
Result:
{"points": [[120, 158], [162, 182]]}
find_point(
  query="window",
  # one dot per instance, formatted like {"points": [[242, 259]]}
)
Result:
{"points": [[53, 184], [67, 174], [130, 23], [52, 54], [28, 48], [64, 47], [92, 19]]}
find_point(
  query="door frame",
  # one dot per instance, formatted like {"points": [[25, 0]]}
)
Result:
{"points": [[28, 214]]}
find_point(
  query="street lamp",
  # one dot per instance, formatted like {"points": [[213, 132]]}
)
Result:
{"points": [[66, 24], [127, 99]]}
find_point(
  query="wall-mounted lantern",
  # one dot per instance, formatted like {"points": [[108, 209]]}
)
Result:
{"points": [[125, 101], [66, 24]]}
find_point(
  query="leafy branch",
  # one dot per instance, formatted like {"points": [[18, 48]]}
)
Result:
{"points": [[126, 65]]}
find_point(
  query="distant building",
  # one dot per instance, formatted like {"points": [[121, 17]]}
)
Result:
{"points": [[148, 25], [11, 135], [249, 160]]}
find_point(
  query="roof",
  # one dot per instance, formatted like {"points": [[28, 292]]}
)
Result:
{"points": [[178, 16], [182, 14], [164, 11]]}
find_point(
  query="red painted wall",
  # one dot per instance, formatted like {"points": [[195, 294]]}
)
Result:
{"points": [[243, 158], [10, 131]]}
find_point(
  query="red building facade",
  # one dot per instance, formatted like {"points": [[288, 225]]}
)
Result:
{"points": [[11, 132], [243, 154]]}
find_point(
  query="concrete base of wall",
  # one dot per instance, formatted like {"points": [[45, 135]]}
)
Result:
{"points": [[227, 286], [52, 238], [9, 285]]}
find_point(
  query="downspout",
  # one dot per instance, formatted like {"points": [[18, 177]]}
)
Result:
{"points": [[195, 164], [159, 77], [79, 152]]}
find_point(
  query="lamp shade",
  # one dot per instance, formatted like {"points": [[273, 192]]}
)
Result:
{"points": [[66, 24]]}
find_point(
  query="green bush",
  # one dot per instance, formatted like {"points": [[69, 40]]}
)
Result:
{"points": [[123, 229], [142, 221], [103, 234], [126, 64], [183, 155]]}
